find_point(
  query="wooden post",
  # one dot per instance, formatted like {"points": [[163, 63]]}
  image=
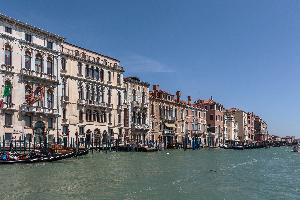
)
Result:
{"points": [[24, 144], [34, 142], [20, 149]]}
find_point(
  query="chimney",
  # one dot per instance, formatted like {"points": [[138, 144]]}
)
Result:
{"points": [[211, 97], [189, 100], [178, 94], [155, 87]]}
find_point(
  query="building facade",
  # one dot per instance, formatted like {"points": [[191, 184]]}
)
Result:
{"points": [[241, 117], [173, 120], [136, 111], [261, 129], [92, 95], [214, 120], [29, 75], [230, 127]]}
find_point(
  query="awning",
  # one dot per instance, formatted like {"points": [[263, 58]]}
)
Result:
{"points": [[170, 125]]}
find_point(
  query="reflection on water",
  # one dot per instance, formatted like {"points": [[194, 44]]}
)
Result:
{"points": [[205, 174]]}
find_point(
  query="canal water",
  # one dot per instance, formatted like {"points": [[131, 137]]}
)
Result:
{"points": [[175, 174]]}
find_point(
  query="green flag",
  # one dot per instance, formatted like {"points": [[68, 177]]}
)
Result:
{"points": [[7, 88]]}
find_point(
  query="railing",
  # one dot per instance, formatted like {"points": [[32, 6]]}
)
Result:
{"points": [[81, 101], [140, 126], [40, 75], [65, 98], [7, 68], [37, 109]]}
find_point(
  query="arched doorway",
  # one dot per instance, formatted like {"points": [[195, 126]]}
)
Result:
{"points": [[39, 132]]}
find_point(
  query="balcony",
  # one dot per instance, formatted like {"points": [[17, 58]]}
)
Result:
{"points": [[38, 75], [81, 102], [135, 104], [38, 110], [100, 104], [167, 132], [64, 120], [9, 107], [140, 126], [65, 99], [109, 105], [119, 107], [145, 104], [6, 68]]}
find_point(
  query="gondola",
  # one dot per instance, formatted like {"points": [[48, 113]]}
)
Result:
{"points": [[238, 147], [36, 158]]}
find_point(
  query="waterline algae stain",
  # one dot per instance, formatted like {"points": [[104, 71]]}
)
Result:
{"points": [[205, 174]]}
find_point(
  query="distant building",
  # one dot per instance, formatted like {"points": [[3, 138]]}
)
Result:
{"points": [[174, 121], [136, 111], [230, 127], [250, 125], [214, 119], [261, 129], [241, 117]]}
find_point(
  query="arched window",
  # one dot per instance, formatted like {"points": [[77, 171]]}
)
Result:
{"points": [[144, 118], [97, 74], [27, 60], [91, 72], [92, 94], [63, 64], [79, 68], [64, 87], [8, 55], [80, 92], [83, 56], [101, 75], [109, 96], [134, 94], [143, 97], [39, 63], [98, 60], [80, 115], [88, 115], [98, 95], [119, 98], [86, 71], [118, 79], [50, 99], [87, 92], [96, 117], [49, 66], [109, 76], [102, 95], [64, 113], [76, 53]]}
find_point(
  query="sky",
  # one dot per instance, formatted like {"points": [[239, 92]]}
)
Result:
{"points": [[243, 53]]}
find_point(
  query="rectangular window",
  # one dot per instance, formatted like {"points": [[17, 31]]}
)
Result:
{"points": [[81, 130], [8, 136], [50, 123], [79, 68], [49, 45], [8, 119], [8, 30], [28, 121], [65, 130], [28, 37], [211, 117]]}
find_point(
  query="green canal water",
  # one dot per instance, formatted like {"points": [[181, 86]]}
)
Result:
{"points": [[205, 174]]}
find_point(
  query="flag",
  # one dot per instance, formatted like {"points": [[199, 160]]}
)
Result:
{"points": [[7, 88]]}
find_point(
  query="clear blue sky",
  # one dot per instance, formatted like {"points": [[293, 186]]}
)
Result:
{"points": [[245, 54]]}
